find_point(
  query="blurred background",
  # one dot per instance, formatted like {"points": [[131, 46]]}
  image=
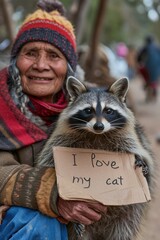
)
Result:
{"points": [[112, 42]]}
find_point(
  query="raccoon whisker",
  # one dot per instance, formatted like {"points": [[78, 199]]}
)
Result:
{"points": [[117, 126], [82, 130], [79, 119], [116, 120], [77, 127]]}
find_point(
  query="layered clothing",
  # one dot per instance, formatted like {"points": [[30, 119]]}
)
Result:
{"points": [[21, 182], [149, 57]]}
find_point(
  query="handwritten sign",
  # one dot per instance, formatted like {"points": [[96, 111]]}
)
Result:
{"points": [[95, 175]]}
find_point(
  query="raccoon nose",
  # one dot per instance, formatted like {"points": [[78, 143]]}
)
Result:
{"points": [[98, 126]]}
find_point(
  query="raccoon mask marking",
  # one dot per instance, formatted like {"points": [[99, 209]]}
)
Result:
{"points": [[93, 112]]}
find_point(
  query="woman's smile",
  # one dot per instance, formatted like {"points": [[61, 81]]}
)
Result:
{"points": [[40, 79], [43, 69]]}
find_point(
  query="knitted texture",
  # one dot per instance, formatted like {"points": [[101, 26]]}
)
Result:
{"points": [[51, 28], [17, 131]]}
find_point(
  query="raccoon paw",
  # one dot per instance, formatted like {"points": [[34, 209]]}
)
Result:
{"points": [[141, 163], [79, 228]]}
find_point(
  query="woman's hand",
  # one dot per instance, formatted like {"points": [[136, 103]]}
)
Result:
{"points": [[82, 212]]}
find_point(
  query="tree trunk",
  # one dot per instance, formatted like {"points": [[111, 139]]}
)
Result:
{"points": [[94, 41], [6, 8], [77, 15]]}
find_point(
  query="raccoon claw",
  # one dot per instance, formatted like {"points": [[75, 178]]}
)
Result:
{"points": [[79, 228], [141, 163]]}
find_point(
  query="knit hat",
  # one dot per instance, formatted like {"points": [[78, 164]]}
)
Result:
{"points": [[49, 25]]}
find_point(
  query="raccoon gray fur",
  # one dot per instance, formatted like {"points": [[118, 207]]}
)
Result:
{"points": [[100, 119]]}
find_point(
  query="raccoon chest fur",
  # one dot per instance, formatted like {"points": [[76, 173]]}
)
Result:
{"points": [[92, 141], [100, 119]]}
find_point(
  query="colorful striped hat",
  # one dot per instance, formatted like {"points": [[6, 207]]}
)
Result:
{"points": [[48, 25]]}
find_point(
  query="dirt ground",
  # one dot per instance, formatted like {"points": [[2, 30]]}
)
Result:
{"points": [[148, 115]]}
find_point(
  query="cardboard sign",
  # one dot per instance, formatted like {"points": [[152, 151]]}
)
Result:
{"points": [[95, 175]]}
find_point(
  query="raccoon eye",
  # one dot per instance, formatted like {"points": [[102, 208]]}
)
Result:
{"points": [[109, 111], [88, 110]]}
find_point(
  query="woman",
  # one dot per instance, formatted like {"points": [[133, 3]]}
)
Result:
{"points": [[31, 97]]}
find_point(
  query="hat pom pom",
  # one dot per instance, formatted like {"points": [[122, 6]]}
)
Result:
{"points": [[49, 6]]}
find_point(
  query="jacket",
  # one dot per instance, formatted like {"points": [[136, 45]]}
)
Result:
{"points": [[21, 182]]}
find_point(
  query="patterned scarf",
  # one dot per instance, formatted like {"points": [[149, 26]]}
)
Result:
{"points": [[48, 111], [16, 130]]}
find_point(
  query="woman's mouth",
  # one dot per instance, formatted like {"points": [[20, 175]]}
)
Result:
{"points": [[40, 78]]}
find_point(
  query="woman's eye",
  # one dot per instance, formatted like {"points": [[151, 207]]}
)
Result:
{"points": [[30, 54], [109, 111], [53, 55]]}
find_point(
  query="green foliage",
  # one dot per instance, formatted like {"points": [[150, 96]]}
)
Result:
{"points": [[123, 20], [90, 19], [113, 24]]}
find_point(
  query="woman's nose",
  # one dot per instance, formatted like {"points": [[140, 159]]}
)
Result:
{"points": [[41, 62]]}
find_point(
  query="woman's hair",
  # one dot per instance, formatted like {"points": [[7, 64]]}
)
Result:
{"points": [[19, 97], [47, 24]]}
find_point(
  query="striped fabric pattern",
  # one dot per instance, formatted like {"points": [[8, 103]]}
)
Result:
{"points": [[51, 28], [16, 130]]}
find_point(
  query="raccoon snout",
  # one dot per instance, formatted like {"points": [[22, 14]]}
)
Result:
{"points": [[98, 126]]}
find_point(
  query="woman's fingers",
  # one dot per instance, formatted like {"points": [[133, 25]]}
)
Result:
{"points": [[82, 212], [98, 207]]}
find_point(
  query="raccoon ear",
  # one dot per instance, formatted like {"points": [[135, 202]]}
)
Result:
{"points": [[74, 87], [120, 88]]}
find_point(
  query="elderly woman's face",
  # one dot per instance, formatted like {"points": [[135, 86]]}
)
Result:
{"points": [[43, 69]]}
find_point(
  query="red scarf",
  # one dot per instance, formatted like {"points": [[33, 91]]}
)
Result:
{"points": [[16, 131], [48, 111]]}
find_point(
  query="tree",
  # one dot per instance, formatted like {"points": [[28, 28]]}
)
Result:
{"points": [[95, 39], [77, 15], [7, 12]]}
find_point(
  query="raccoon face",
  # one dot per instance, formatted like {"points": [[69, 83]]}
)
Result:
{"points": [[97, 110]]}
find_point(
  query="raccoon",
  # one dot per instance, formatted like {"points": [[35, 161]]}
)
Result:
{"points": [[100, 119]]}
